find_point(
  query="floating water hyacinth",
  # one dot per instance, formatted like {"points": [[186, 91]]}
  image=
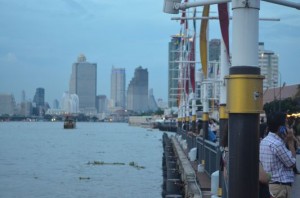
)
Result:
{"points": [[104, 163], [81, 178], [133, 164]]}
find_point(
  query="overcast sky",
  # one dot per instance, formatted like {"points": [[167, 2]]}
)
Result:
{"points": [[41, 39]]}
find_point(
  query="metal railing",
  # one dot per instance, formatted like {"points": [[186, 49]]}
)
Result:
{"points": [[208, 153]]}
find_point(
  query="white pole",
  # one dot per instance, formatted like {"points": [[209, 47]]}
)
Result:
{"points": [[245, 32], [224, 70], [205, 98]]}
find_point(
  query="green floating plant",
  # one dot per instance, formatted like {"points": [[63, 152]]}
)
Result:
{"points": [[104, 163], [133, 164], [81, 178]]}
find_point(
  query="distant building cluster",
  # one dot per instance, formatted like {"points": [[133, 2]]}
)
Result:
{"points": [[137, 97], [82, 98], [37, 107]]}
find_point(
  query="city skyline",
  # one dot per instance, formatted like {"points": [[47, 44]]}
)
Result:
{"points": [[40, 41]]}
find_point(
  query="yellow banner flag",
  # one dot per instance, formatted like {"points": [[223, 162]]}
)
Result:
{"points": [[203, 40]]}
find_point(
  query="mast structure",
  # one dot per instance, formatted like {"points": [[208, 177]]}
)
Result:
{"points": [[186, 83], [244, 91]]}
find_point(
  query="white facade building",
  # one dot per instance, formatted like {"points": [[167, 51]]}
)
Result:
{"points": [[268, 63], [117, 88], [70, 103]]}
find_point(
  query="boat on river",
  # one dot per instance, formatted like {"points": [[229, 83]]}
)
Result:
{"points": [[69, 123]]}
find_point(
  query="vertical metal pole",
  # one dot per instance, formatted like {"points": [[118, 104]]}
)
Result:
{"points": [[194, 116], [205, 112], [222, 109], [187, 113], [179, 120], [244, 101]]}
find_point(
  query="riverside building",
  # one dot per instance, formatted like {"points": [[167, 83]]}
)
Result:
{"points": [[137, 93], [83, 83], [117, 89]]}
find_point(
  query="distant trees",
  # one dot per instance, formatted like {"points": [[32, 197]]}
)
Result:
{"points": [[287, 105]]}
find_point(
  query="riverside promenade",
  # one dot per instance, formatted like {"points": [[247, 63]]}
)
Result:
{"points": [[204, 183], [204, 179]]}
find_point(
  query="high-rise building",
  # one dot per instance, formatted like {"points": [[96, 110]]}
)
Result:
{"points": [[137, 93], [173, 70], [151, 101], [39, 97], [23, 96], [70, 103], [55, 104], [102, 104], [214, 49], [117, 88], [268, 63], [7, 104], [39, 102], [83, 83]]}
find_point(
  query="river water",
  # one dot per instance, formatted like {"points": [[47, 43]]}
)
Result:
{"points": [[41, 159]]}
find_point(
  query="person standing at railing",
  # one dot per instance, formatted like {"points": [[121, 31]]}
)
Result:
{"points": [[278, 156], [264, 177], [213, 127]]}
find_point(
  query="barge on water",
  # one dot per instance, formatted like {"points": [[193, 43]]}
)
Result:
{"points": [[69, 123]]}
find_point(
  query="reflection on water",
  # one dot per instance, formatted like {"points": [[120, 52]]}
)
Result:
{"points": [[42, 159]]}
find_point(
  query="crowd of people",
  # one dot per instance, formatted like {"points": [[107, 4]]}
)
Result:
{"points": [[279, 140]]}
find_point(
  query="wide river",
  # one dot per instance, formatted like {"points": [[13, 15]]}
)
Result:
{"points": [[43, 160]]}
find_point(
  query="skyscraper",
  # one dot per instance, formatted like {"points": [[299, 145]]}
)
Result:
{"points": [[151, 101], [214, 49], [83, 82], [39, 97], [268, 63], [102, 104], [117, 88], [7, 104], [173, 70], [137, 93]]}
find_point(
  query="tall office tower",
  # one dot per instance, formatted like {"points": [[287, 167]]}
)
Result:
{"points": [[7, 104], [102, 104], [268, 63], [83, 83], [26, 108], [117, 88], [137, 93], [39, 97], [23, 99], [151, 101], [173, 70], [55, 104], [214, 49]]}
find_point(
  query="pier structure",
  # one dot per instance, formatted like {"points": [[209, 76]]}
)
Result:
{"points": [[244, 93]]}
